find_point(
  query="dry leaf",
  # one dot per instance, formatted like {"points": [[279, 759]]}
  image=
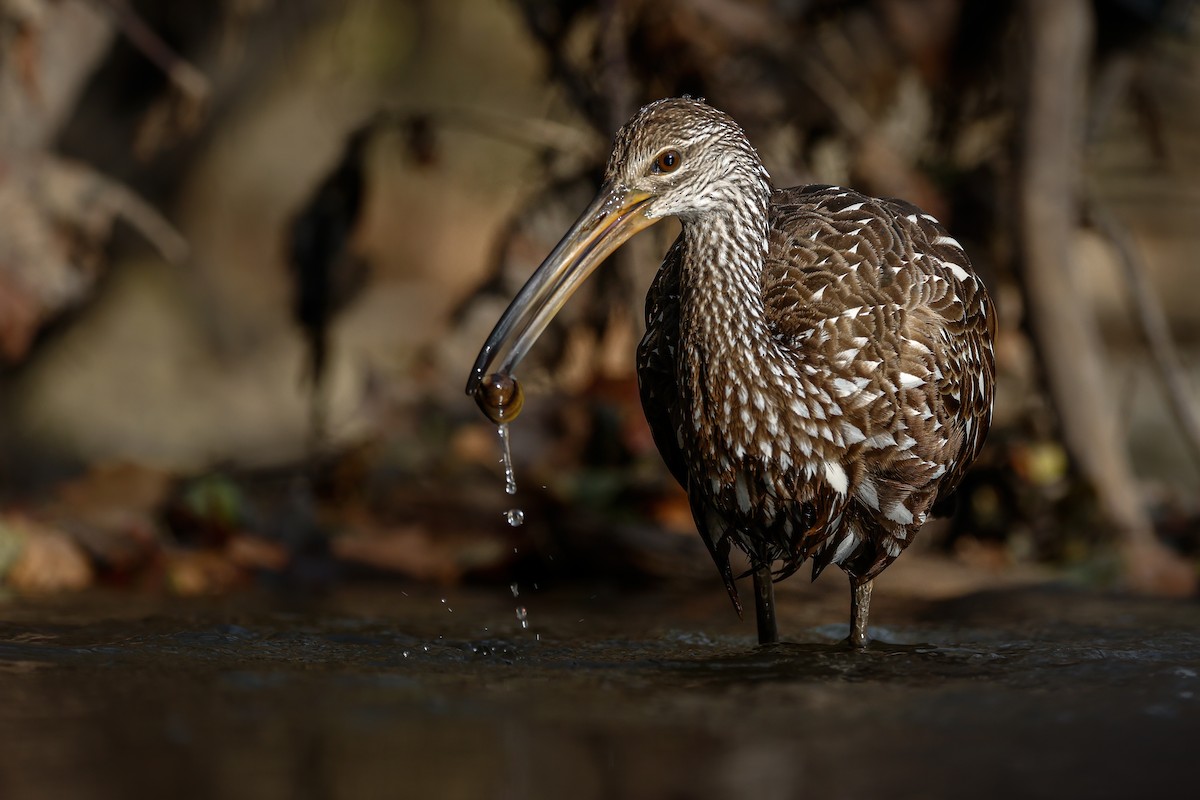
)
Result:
{"points": [[58, 215], [257, 553], [194, 572], [48, 560], [413, 551]]}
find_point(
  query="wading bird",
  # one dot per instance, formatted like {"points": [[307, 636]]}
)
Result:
{"points": [[817, 369]]}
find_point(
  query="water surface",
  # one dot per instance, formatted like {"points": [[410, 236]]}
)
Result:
{"points": [[380, 692]]}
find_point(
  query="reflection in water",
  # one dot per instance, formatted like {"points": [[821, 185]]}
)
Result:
{"points": [[356, 697]]}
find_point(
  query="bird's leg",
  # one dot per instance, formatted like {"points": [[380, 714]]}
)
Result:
{"points": [[764, 604], [860, 607]]}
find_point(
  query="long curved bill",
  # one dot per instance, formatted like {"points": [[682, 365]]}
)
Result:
{"points": [[612, 218]]}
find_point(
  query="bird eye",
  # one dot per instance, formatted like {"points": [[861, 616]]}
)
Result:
{"points": [[667, 161]]}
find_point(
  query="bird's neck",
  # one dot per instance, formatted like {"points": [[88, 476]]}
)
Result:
{"points": [[721, 284], [735, 376]]}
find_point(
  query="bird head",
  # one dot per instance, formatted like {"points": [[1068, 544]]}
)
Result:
{"points": [[676, 157], [686, 159]]}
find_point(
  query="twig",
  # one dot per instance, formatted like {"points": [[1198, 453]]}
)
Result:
{"points": [[1051, 139], [541, 134], [1153, 321], [84, 196], [1047, 194], [186, 77]]}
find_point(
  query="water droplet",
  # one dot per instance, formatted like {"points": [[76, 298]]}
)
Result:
{"points": [[510, 480], [405, 653], [515, 517], [523, 617], [516, 590]]}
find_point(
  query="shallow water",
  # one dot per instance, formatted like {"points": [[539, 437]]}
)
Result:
{"points": [[383, 693]]}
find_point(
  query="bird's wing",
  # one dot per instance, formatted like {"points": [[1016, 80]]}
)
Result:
{"points": [[877, 298], [963, 313], [658, 385], [656, 362]]}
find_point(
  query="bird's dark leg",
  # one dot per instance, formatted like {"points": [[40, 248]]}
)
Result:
{"points": [[860, 607], [764, 604]]}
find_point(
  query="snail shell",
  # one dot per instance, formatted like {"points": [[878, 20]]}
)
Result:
{"points": [[500, 398]]}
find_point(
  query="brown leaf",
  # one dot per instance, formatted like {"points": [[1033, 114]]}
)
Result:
{"points": [[256, 553], [413, 551], [1153, 568], [116, 491], [20, 315], [26, 56], [195, 572], [48, 559]]}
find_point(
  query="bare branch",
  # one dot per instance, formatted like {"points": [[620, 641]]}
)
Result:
{"points": [[1153, 321], [179, 70], [1049, 211]]}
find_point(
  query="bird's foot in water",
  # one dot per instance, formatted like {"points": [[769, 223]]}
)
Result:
{"points": [[764, 604], [860, 608], [859, 644]]}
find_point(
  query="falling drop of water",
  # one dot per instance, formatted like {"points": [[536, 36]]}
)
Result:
{"points": [[510, 480], [515, 517], [516, 590], [523, 617]]}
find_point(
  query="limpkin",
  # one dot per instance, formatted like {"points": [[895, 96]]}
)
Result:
{"points": [[817, 369]]}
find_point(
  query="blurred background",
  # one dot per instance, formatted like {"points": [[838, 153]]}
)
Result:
{"points": [[249, 249]]}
